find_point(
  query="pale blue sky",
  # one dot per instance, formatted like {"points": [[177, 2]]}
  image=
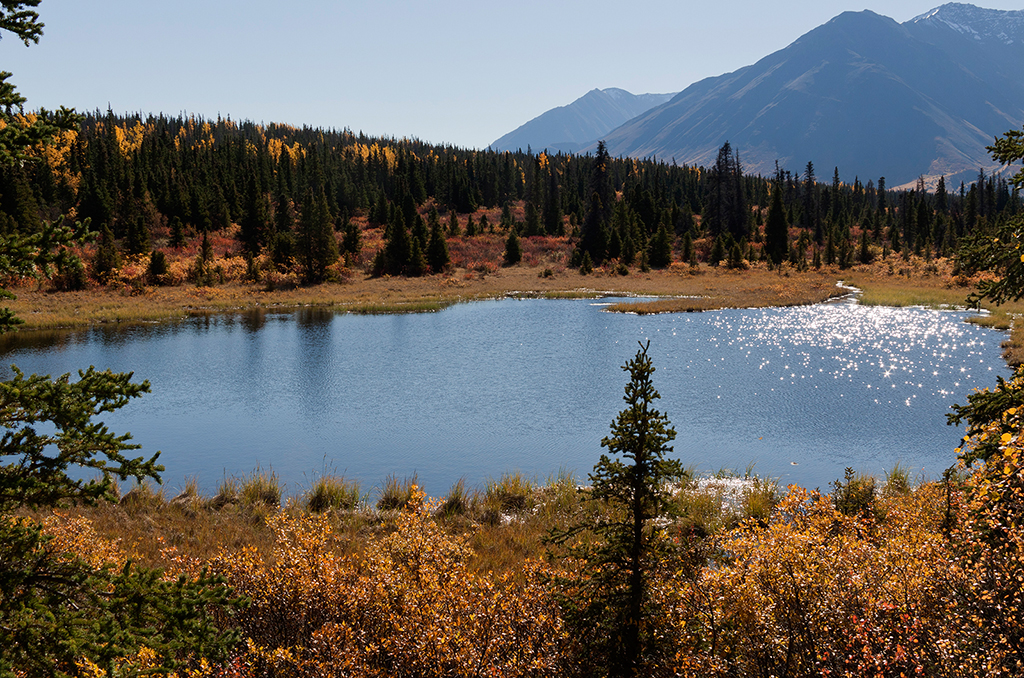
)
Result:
{"points": [[463, 72]]}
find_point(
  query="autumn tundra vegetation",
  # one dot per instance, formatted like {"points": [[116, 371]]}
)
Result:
{"points": [[638, 569]]}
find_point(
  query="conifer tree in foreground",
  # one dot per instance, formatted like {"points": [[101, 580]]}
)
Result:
{"points": [[614, 614]]}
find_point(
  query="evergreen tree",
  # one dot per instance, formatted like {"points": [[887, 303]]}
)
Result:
{"points": [[628, 252], [437, 251], [394, 256], [256, 220], [614, 249], [157, 266], [735, 259], [352, 238], [318, 248], [417, 265], [830, 248], [137, 237], [513, 249], [776, 230], [660, 249], [533, 226], [453, 225], [717, 252], [107, 258], [552, 217], [177, 233], [865, 256], [586, 264], [725, 207], [688, 253], [57, 610], [601, 198], [614, 613]]}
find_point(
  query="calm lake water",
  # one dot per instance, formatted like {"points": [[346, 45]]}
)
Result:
{"points": [[532, 385]]}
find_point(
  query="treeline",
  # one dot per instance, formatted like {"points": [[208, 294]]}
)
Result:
{"points": [[304, 197]]}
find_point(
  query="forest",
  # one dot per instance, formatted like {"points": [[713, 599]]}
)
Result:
{"points": [[168, 197]]}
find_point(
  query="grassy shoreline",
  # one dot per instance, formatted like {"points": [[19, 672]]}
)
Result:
{"points": [[679, 288], [711, 287]]}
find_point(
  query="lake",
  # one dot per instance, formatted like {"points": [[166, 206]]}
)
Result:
{"points": [[533, 385]]}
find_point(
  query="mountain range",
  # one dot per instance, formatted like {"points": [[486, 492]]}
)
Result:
{"points": [[568, 128], [862, 93]]}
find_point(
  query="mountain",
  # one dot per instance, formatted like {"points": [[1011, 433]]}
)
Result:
{"points": [[862, 93], [593, 115]]}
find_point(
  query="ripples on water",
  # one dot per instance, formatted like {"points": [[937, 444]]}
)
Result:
{"points": [[481, 388]]}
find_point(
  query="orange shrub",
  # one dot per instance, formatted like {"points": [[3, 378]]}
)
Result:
{"points": [[406, 606]]}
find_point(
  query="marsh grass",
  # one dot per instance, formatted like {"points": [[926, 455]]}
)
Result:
{"points": [[897, 482], [425, 306], [396, 493], [332, 493], [505, 523], [457, 502], [511, 493], [142, 497], [261, 489], [360, 294]]}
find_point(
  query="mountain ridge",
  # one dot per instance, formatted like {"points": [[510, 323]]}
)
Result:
{"points": [[861, 92], [567, 128]]}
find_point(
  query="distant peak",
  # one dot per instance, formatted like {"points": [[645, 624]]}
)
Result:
{"points": [[616, 92], [977, 22]]}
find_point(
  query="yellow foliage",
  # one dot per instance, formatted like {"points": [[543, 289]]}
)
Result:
{"points": [[129, 140], [74, 535], [406, 606]]}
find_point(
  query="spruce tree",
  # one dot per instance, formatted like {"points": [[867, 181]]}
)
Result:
{"points": [[717, 252], [107, 258], [318, 248], [601, 198], [352, 238], [660, 251], [513, 249], [437, 251], [612, 612], [57, 609], [393, 258], [453, 225], [776, 230], [865, 255], [177, 233], [137, 238]]}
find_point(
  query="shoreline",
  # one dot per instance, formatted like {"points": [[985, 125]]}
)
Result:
{"points": [[674, 289]]}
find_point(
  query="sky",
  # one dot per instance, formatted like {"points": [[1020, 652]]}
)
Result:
{"points": [[460, 72]]}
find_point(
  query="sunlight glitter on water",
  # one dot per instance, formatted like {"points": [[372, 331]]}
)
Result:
{"points": [[898, 353]]}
